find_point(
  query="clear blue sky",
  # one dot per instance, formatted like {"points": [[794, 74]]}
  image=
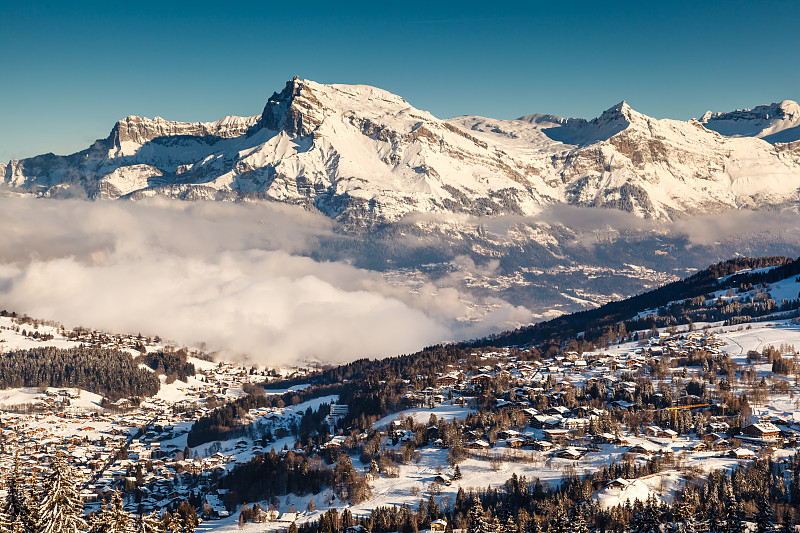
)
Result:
{"points": [[71, 69]]}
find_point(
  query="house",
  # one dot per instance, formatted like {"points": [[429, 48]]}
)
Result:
{"points": [[335, 442], [741, 453], [569, 453], [515, 442], [646, 448], [479, 444], [667, 433], [447, 380], [442, 479], [439, 525], [556, 435], [762, 430], [619, 483]]}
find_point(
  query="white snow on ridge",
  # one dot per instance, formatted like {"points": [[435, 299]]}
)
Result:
{"points": [[778, 122], [360, 152]]}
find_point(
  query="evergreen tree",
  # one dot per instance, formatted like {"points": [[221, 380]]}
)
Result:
{"points": [[511, 525], [148, 524], [475, 516], [735, 523], [19, 525], [61, 507], [33, 510], [765, 521], [561, 522], [579, 521], [5, 522], [17, 500], [716, 519], [118, 520]]}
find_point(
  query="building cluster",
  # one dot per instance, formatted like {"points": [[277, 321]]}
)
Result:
{"points": [[572, 432]]}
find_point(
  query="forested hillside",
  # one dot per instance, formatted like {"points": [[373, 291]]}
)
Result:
{"points": [[111, 373]]}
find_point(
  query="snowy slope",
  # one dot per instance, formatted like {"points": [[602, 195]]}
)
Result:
{"points": [[365, 156], [775, 123]]}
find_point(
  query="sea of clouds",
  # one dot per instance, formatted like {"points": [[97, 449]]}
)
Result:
{"points": [[236, 278], [248, 280]]}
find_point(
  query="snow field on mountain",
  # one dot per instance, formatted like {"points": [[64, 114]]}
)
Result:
{"points": [[361, 153]]}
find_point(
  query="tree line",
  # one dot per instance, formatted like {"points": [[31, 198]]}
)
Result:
{"points": [[721, 503], [111, 373]]}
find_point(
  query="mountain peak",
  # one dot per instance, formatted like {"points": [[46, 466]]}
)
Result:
{"points": [[292, 110], [619, 112]]}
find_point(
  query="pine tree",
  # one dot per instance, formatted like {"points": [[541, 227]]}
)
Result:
{"points": [[579, 521], [5, 522], [735, 522], [561, 522], [61, 507], [716, 520], [100, 520], [17, 501], [148, 524], [511, 525], [33, 511], [765, 520], [19, 525], [119, 521], [475, 516], [456, 473]]}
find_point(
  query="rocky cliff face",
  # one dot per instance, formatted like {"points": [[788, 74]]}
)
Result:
{"points": [[367, 157]]}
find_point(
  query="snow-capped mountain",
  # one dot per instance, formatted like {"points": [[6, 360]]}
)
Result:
{"points": [[365, 156], [775, 123]]}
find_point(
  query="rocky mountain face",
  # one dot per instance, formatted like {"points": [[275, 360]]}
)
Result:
{"points": [[366, 157]]}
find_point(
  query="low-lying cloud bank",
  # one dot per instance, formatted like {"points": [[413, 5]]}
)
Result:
{"points": [[230, 276], [252, 279]]}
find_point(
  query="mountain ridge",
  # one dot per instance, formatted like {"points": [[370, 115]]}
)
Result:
{"points": [[364, 157]]}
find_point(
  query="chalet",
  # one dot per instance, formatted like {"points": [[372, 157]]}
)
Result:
{"points": [[508, 434], [447, 380], [439, 525], [667, 433], [741, 453], [762, 430], [480, 379], [558, 410], [545, 421], [647, 448], [619, 483], [556, 435], [443, 479], [603, 438], [515, 442], [479, 444], [542, 445], [569, 453], [335, 442], [575, 423]]}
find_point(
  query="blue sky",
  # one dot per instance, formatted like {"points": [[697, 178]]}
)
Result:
{"points": [[70, 70]]}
